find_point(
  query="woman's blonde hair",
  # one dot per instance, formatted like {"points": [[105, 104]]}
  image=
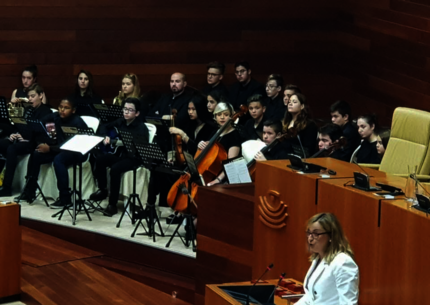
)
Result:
{"points": [[119, 100], [338, 242]]}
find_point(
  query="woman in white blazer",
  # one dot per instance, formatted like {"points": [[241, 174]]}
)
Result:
{"points": [[333, 276]]}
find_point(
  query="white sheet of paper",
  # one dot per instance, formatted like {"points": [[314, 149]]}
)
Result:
{"points": [[82, 143], [237, 172]]}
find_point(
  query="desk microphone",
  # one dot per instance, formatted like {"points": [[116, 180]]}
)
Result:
{"points": [[281, 277], [268, 268], [303, 150], [356, 163]]}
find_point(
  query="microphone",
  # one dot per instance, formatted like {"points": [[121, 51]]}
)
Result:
{"points": [[281, 277], [303, 150], [355, 162], [268, 268]]}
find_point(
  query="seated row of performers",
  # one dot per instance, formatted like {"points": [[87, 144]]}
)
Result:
{"points": [[197, 135]]}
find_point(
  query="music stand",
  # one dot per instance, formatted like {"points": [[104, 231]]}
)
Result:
{"points": [[189, 221], [108, 113], [77, 202], [128, 140], [23, 126], [83, 108], [162, 134], [154, 159]]}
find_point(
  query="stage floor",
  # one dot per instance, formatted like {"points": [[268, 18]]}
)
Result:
{"points": [[107, 225]]}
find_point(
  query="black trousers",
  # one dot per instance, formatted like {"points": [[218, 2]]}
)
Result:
{"points": [[62, 161], [11, 151], [118, 166]]}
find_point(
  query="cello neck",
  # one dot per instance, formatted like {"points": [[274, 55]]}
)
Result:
{"points": [[214, 138]]}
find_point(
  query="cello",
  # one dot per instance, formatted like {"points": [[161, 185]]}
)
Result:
{"points": [[208, 162]]}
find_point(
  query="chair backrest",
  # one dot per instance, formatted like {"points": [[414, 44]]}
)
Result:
{"points": [[152, 129], [91, 122], [409, 143]]}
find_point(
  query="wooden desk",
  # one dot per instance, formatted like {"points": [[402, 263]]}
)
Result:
{"points": [[286, 246], [404, 252], [216, 296], [224, 235], [10, 251], [359, 213]]}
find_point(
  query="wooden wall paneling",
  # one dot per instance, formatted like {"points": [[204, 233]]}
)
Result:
{"points": [[404, 253]]}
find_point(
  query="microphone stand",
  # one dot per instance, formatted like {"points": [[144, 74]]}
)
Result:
{"points": [[281, 277], [252, 287]]}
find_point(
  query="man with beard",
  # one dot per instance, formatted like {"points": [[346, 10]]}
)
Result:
{"points": [[178, 99]]}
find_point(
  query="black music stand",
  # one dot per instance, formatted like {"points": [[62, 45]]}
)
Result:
{"points": [[154, 159], [108, 113], [22, 125], [77, 202], [129, 143], [190, 229], [83, 108]]}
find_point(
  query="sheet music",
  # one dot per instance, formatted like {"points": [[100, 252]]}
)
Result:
{"points": [[82, 143], [237, 171]]}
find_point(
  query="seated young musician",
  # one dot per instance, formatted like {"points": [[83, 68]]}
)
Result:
{"points": [[214, 78], [271, 131], [50, 151], [229, 139], [130, 87], [328, 135], [367, 152], [341, 115], [215, 97], [28, 78], [121, 163], [253, 128], [84, 94], [275, 107], [201, 127], [21, 144], [297, 117]]}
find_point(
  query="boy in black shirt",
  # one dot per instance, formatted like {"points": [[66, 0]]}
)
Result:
{"points": [[341, 115], [253, 128], [118, 164], [21, 144], [49, 151], [272, 131]]}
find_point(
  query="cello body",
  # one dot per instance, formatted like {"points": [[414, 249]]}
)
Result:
{"points": [[209, 168], [209, 165]]}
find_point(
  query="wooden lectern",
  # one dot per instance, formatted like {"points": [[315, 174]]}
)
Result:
{"points": [[10, 252]]}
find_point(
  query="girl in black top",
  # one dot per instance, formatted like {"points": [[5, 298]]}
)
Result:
{"points": [[367, 152], [229, 139], [28, 78], [84, 94], [297, 116], [201, 127], [215, 97]]}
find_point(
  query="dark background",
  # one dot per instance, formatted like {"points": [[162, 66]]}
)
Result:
{"points": [[372, 53]]}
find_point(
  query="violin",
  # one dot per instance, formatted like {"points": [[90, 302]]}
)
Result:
{"points": [[177, 143], [209, 164], [326, 152], [291, 133]]}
